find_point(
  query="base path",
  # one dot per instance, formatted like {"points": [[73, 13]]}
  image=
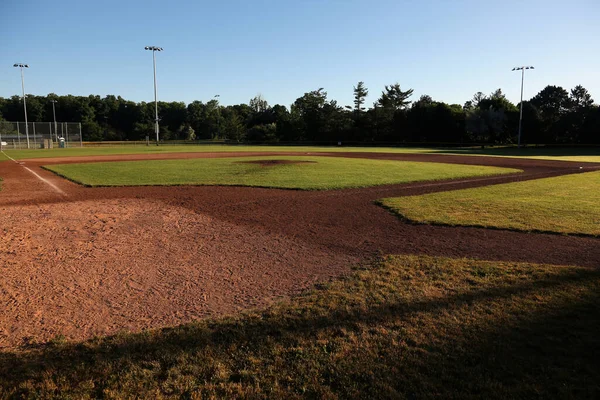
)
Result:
{"points": [[84, 261]]}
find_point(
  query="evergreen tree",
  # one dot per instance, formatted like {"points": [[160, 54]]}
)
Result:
{"points": [[394, 98], [360, 93]]}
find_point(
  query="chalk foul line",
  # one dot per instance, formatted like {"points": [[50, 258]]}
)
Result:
{"points": [[46, 181]]}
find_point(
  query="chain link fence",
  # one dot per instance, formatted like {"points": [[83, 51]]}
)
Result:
{"points": [[39, 135]]}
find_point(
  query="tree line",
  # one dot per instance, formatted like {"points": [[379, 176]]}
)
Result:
{"points": [[553, 116]]}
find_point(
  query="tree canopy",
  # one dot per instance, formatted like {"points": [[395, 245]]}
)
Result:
{"points": [[554, 115]]}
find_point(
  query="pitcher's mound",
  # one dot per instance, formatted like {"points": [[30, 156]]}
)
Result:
{"points": [[272, 163]]}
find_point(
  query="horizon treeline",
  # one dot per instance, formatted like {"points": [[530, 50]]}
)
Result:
{"points": [[553, 116]]}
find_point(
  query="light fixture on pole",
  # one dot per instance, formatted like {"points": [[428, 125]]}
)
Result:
{"points": [[522, 69], [154, 49], [19, 65], [54, 114]]}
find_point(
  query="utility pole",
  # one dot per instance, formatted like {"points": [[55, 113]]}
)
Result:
{"points": [[218, 116], [54, 114], [522, 69], [154, 50], [19, 65]]}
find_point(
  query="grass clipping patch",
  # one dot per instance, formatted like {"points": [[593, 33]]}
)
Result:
{"points": [[307, 173], [417, 327], [566, 204]]}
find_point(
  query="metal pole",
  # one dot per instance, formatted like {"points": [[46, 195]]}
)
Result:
{"points": [[24, 106], [34, 140], [521, 115], [218, 117], [19, 135], [155, 98], [55, 129], [80, 136]]}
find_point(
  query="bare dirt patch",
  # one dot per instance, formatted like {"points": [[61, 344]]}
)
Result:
{"points": [[96, 261], [273, 163]]}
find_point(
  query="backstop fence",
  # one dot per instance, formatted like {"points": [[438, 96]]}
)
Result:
{"points": [[39, 135]]}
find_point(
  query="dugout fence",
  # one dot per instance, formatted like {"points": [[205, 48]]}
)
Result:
{"points": [[39, 135]]}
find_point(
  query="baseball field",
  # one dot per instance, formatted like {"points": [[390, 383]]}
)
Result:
{"points": [[287, 272]]}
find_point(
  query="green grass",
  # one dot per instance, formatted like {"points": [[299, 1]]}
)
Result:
{"points": [[317, 173], [567, 204], [99, 151], [582, 154], [578, 154], [404, 327]]}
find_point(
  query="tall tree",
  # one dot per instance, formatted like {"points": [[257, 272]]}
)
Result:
{"points": [[497, 95], [581, 98], [478, 98], [552, 101], [553, 104], [360, 94], [258, 104], [393, 97], [424, 100]]}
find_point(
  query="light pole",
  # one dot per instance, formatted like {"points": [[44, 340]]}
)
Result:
{"points": [[54, 114], [154, 50], [522, 69], [218, 116], [19, 65]]}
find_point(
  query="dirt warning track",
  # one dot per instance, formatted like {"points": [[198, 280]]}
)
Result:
{"points": [[93, 261]]}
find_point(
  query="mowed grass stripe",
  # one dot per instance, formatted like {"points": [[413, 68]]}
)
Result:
{"points": [[308, 173], [567, 204], [404, 327]]}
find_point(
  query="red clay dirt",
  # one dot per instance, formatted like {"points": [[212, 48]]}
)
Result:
{"points": [[81, 262]]}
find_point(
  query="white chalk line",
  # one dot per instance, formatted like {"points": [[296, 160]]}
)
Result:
{"points": [[7, 156], [46, 181]]}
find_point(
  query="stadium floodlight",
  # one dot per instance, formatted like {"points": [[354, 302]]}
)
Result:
{"points": [[20, 65], [522, 69], [154, 49], [54, 114]]}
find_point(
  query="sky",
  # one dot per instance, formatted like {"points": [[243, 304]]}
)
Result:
{"points": [[281, 49]]}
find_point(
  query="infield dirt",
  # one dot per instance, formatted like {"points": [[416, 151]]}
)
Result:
{"points": [[95, 261]]}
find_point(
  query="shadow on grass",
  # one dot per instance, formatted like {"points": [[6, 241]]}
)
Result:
{"points": [[390, 332]]}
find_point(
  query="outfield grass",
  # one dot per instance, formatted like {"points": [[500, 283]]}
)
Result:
{"points": [[567, 204], [99, 151], [314, 173], [579, 154], [405, 327], [582, 154]]}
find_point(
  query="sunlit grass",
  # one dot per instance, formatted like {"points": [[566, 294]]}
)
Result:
{"points": [[578, 154], [404, 327], [312, 173], [99, 151], [566, 204], [581, 154]]}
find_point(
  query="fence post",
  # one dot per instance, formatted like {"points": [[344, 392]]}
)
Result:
{"points": [[33, 123], [80, 136]]}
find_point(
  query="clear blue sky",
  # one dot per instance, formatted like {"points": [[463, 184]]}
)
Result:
{"points": [[282, 49]]}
